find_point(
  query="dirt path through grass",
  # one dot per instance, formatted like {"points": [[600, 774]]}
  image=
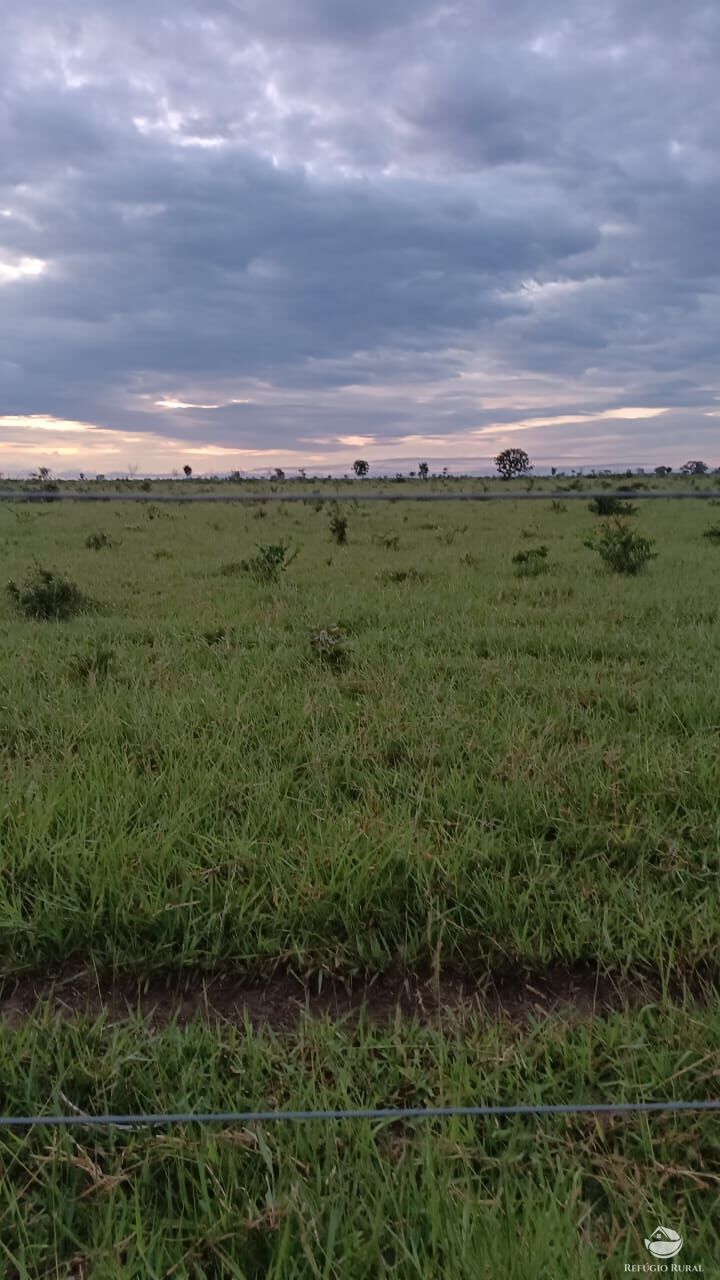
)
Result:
{"points": [[278, 1002]]}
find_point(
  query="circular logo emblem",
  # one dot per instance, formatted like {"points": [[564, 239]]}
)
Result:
{"points": [[664, 1243]]}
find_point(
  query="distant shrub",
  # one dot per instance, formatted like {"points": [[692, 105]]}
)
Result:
{"points": [[557, 507], [146, 485], [532, 562], [470, 560], [622, 550], [216, 635], [403, 575], [94, 666], [338, 526], [448, 536], [330, 645], [390, 541], [269, 563], [50, 488], [260, 514], [50, 596], [95, 541], [153, 512], [608, 505], [713, 533]]}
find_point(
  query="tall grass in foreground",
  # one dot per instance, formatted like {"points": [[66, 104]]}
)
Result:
{"points": [[522, 1198]]}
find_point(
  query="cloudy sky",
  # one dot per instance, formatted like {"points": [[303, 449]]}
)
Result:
{"points": [[258, 233]]}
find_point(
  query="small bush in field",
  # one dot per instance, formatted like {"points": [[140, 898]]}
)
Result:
{"points": [[329, 645], [49, 596], [713, 533], [390, 541], [95, 541], [338, 526], [215, 636], [449, 535], [622, 550], [269, 563], [557, 507], [530, 563], [607, 505], [94, 666], [403, 575]]}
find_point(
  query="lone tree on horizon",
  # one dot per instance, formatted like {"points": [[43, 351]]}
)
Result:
{"points": [[694, 468], [188, 471], [512, 462], [361, 468], [423, 470]]}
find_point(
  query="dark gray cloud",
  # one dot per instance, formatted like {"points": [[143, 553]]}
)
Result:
{"points": [[382, 196]]}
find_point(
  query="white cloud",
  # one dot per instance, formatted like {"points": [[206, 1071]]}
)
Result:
{"points": [[12, 270]]}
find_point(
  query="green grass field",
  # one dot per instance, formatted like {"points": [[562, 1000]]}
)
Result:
{"points": [[497, 774]]}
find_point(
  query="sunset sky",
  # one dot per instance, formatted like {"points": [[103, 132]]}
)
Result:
{"points": [[259, 233]]}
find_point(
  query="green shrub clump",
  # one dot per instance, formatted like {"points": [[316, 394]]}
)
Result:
{"points": [[95, 541], [329, 645], [49, 596], [622, 550], [607, 505], [338, 527], [532, 562], [269, 563]]}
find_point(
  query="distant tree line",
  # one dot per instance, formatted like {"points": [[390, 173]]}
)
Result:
{"points": [[509, 464]]}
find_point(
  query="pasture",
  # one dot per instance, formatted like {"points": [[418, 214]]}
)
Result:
{"points": [[402, 755]]}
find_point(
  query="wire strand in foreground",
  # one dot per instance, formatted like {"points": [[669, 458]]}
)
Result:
{"points": [[360, 1113]]}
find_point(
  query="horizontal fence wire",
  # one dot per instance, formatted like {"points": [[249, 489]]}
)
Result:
{"points": [[546, 496], [360, 1113]]}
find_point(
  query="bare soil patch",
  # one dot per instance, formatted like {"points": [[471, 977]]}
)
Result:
{"points": [[280, 1001]]}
